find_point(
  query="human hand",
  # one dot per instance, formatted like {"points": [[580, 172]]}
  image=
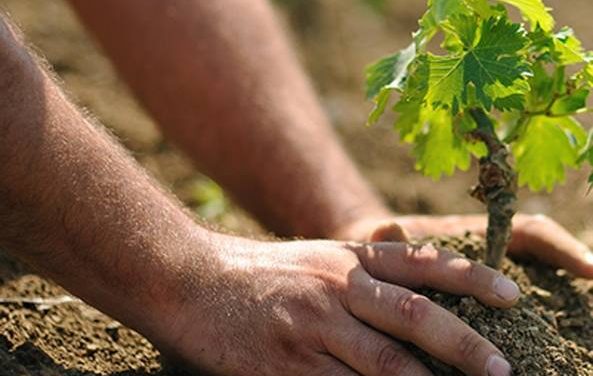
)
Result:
{"points": [[536, 236], [332, 309]]}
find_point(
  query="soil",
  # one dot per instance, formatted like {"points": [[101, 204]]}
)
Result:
{"points": [[550, 332], [45, 332], [64, 337]]}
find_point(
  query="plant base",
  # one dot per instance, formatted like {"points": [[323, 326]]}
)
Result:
{"points": [[549, 332]]}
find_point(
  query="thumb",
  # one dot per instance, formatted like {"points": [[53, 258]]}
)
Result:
{"points": [[388, 231]]}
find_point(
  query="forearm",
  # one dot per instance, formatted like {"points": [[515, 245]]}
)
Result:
{"points": [[221, 80], [76, 207]]}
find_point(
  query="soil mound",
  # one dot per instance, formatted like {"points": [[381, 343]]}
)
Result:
{"points": [[549, 332]]}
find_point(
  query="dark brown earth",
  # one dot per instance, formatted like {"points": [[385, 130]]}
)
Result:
{"points": [[65, 338], [335, 38], [46, 332]]}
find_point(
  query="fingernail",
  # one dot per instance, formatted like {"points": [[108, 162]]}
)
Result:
{"points": [[497, 366], [506, 289]]}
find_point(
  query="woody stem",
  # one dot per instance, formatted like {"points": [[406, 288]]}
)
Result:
{"points": [[497, 189]]}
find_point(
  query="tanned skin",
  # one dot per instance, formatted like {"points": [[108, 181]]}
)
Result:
{"points": [[232, 95], [77, 207], [222, 81]]}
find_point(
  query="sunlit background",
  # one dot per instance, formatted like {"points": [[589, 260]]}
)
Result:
{"points": [[335, 40]]}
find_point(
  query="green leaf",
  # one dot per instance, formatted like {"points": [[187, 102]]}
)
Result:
{"points": [[463, 125], [389, 72], [440, 10], [380, 74], [411, 119], [575, 132], [546, 148], [494, 59], [438, 151], [569, 48], [541, 45], [386, 75], [483, 9], [535, 12], [546, 89], [428, 29], [463, 29], [512, 102], [587, 151], [560, 85], [570, 104], [508, 98], [515, 127], [410, 107], [437, 147], [489, 62], [381, 101], [446, 86], [588, 74], [542, 87]]}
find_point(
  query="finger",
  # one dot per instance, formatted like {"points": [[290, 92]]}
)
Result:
{"points": [[536, 236], [330, 366], [370, 352], [412, 317], [418, 266], [388, 231], [547, 241]]}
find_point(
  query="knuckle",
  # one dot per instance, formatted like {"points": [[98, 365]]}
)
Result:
{"points": [[539, 220], [392, 360], [471, 272], [365, 253], [469, 347], [412, 308]]}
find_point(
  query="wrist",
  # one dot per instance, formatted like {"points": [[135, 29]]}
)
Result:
{"points": [[203, 290], [185, 264], [188, 286]]}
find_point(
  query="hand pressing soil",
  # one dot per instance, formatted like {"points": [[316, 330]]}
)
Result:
{"points": [[549, 332]]}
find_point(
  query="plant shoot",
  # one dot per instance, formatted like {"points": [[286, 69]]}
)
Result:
{"points": [[477, 82]]}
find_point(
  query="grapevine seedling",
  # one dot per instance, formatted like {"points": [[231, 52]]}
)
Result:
{"points": [[502, 91]]}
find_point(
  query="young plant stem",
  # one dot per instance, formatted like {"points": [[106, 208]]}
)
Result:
{"points": [[497, 188]]}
